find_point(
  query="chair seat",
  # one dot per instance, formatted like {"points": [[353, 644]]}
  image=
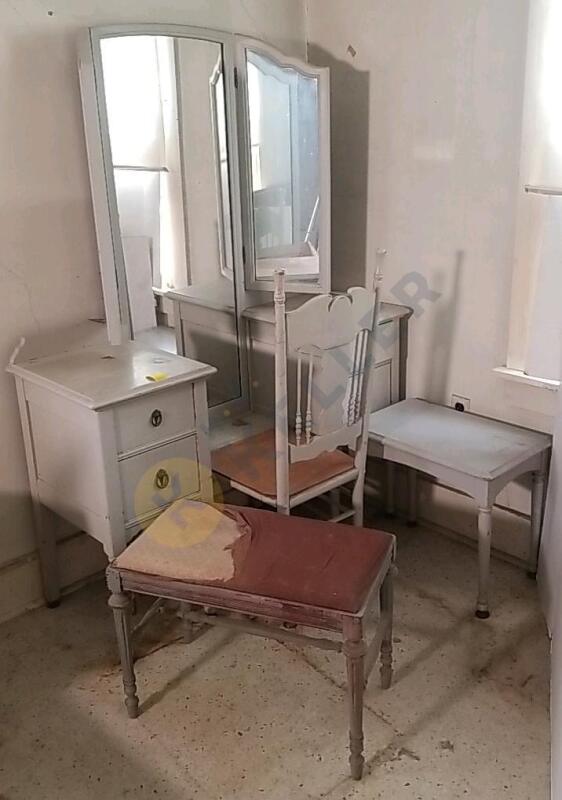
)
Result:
{"points": [[251, 463], [263, 553]]}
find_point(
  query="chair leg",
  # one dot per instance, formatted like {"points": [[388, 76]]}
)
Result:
{"points": [[387, 610], [357, 500], [120, 603], [354, 651], [334, 502]]}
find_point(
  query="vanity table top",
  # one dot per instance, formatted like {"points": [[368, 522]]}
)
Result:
{"points": [[218, 295], [100, 375], [266, 312]]}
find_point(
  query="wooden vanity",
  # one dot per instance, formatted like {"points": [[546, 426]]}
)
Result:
{"points": [[113, 435]]}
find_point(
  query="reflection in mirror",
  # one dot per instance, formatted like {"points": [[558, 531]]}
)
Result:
{"points": [[165, 101], [285, 165]]}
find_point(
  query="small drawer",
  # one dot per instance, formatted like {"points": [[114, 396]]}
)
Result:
{"points": [[148, 420], [155, 478]]}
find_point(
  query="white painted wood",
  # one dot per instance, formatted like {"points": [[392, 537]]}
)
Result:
{"points": [[44, 534], [112, 268], [323, 331], [323, 282], [145, 421], [283, 502], [203, 441], [157, 477], [94, 456], [473, 454], [388, 383], [98, 376], [473, 445], [138, 269]]}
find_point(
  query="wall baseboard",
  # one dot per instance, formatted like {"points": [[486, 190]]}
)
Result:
{"points": [[81, 559]]}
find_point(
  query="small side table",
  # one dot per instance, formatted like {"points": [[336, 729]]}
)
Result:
{"points": [[473, 454]]}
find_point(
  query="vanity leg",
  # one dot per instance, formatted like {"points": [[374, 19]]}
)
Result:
{"points": [[412, 497], [484, 550], [390, 481], [45, 533], [537, 510]]}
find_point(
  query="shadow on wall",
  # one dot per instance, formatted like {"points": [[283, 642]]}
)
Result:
{"points": [[441, 335], [349, 98]]}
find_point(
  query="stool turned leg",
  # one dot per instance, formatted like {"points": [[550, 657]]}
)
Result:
{"points": [[387, 608], [484, 548], [120, 603], [354, 651], [537, 508]]}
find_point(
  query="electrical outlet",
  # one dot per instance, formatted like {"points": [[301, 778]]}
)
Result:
{"points": [[460, 403]]}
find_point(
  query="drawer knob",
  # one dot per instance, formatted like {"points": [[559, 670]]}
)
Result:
{"points": [[162, 479], [156, 418]]}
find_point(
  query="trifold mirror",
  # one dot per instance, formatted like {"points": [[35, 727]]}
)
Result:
{"points": [[209, 163]]}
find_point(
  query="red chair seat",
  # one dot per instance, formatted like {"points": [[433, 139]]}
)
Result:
{"points": [[251, 462]]}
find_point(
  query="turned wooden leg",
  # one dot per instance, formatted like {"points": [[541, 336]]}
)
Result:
{"points": [[387, 610], [120, 603], [537, 509], [354, 651], [484, 549], [412, 497], [357, 500], [390, 481]]}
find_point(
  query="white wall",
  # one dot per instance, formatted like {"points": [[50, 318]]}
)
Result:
{"points": [[48, 262], [427, 105], [427, 111]]}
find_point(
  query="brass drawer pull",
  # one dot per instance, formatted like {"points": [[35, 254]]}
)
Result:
{"points": [[162, 479], [156, 418]]}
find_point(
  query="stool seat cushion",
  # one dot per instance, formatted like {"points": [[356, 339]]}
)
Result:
{"points": [[257, 552], [251, 462]]}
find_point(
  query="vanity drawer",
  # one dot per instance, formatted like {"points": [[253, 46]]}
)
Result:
{"points": [[155, 478], [153, 418]]}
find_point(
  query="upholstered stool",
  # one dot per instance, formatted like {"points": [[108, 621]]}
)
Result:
{"points": [[267, 569]]}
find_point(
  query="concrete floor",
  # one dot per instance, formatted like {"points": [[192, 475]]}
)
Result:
{"points": [[240, 717]]}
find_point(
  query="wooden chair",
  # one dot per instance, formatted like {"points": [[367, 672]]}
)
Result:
{"points": [[257, 571], [325, 350]]}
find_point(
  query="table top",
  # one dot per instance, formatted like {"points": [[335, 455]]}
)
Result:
{"points": [[266, 311], [473, 445], [99, 375]]}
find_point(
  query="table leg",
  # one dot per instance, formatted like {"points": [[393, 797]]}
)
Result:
{"points": [[390, 481], [537, 510], [484, 549], [412, 497]]}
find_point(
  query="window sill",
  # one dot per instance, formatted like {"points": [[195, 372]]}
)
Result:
{"points": [[529, 380]]}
